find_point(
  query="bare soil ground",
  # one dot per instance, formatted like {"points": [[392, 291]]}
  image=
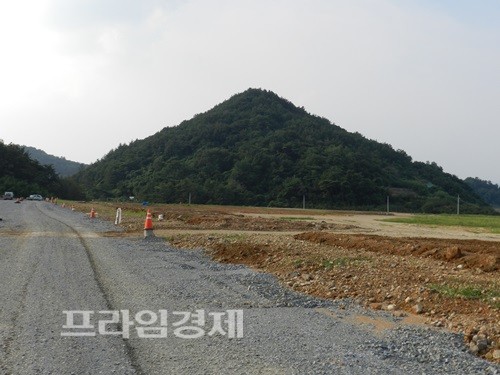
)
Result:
{"points": [[442, 276]]}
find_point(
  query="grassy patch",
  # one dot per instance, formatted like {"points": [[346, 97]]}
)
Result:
{"points": [[489, 223], [491, 296], [467, 292]]}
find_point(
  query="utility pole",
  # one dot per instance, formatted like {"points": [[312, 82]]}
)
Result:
{"points": [[189, 199], [458, 205], [304, 202]]}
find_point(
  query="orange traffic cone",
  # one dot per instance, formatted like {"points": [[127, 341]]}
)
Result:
{"points": [[92, 213], [148, 225]]}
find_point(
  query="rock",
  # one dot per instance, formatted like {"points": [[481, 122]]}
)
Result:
{"points": [[408, 299], [399, 314], [307, 277], [496, 354], [418, 308], [482, 345], [452, 253], [488, 263], [391, 307], [473, 348], [376, 306]]}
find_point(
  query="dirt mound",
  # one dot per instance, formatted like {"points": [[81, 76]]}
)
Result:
{"points": [[241, 222], [484, 255], [249, 254]]}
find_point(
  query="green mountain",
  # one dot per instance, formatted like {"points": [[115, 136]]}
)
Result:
{"points": [[24, 176], [487, 190], [259, 149], [62, 166]]}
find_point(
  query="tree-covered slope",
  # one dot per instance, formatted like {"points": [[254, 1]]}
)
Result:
{"points": [[24, 176], [62, 166], [487, 190], [259, 149]]}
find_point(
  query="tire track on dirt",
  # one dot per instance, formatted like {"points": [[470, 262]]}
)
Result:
{"points": [[7, 346], [98, 277]]}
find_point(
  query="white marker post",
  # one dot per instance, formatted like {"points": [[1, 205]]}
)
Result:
{"points": [[118, 218]]}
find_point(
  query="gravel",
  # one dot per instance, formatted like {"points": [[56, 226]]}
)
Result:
{"points": [[53, 259]]}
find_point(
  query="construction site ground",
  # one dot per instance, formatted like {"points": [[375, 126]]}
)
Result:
{"points": [[446, 277]]}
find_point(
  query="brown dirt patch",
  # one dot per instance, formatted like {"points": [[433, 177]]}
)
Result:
{"points": [[484, 255]]}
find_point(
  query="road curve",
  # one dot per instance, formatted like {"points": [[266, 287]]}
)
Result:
{"points": [[54, 262]]}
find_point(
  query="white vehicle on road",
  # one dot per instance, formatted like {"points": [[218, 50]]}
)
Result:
{"points": [[35, 197], [8, 195]]}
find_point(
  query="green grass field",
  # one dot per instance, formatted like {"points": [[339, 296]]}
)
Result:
{"points": [[485, 222]]}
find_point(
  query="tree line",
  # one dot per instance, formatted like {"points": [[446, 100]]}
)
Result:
{"points": [[25, 176]]}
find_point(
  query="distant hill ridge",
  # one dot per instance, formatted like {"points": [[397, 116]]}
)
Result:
{"points": [[63, 167], [259, 149], [487, 190]]}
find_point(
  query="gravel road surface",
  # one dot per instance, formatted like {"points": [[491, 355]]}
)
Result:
{"points": [[57, 265]]}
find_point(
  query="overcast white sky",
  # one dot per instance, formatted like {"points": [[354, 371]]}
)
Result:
{"points": [[79, 77]]}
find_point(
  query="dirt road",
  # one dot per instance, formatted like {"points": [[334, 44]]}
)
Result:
{"points": [[56, 265]]}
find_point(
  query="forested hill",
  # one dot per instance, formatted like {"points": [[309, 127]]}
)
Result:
{"points": [[487, 190], [24, 176], [259, 149], [62, 166]]}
